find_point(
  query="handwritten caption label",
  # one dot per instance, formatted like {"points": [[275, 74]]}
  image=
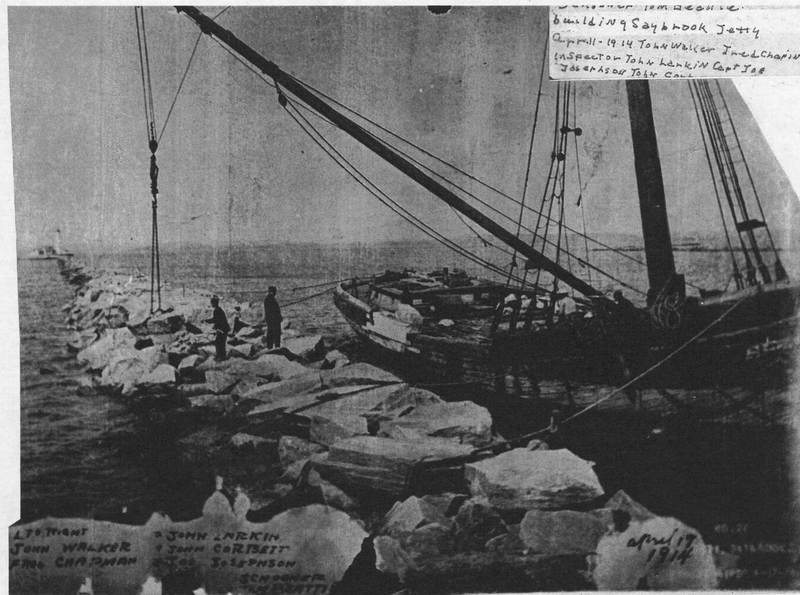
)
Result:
{"points": [[674, 547], [659, 553], [668, 42], [57, 554], [303, 550]]}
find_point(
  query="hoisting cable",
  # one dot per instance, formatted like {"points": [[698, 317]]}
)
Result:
{"points": [[481, 182], [271, 84], [486, 185], [388, 201], [144, 67], [152, 143], [452, 166], [545, 240], [429, 230], [441, 239], [339, 159], [509, 218]]}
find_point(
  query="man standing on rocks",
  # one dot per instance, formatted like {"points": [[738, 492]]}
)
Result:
{"points": [[221, 328], [273, 318]]}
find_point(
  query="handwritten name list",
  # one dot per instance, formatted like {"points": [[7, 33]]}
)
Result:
{"points": [[668, 42], [302, 550]]}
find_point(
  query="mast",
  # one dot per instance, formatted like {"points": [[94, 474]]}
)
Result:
{"points": [[655, 226], [283, 80]]}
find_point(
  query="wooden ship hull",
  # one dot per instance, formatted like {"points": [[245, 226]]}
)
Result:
{"points": [[751, 347]]}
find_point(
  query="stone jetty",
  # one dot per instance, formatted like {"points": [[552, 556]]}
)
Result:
{"points": [[447, 505]]}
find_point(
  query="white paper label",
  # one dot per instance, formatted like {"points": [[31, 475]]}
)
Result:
{"points": [[667, 42]]}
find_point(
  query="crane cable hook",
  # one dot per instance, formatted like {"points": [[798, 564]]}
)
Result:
{"points": [[153, 144], [155, 256], [150, 120]]}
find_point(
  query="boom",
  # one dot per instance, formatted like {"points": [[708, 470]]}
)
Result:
{"points": [[535, 258]]}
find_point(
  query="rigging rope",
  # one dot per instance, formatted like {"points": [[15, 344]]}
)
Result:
{"points": [[530, 151], [180, 85], [308, 297], [552, 180], [551, 176], [475, 232], [575, 132], [734, 181], [712, 135], [491, 266], [586, 237], [780, 272], [578, 170], [553, 427], [562, 156], [509, 218], [147, 91], [325, 284], [271, 84], [454, 167], [661, 362], [737, 275], [186, 72], [220, 13], [351, 170], [569, 260]]}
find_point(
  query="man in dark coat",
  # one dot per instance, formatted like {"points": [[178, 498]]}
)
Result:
{"points": [[273, 318], [221, 328]]}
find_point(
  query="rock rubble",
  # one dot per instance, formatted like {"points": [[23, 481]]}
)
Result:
{"points": [[302, 425]]}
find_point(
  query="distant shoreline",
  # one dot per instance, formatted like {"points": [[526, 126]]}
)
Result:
{"points": [[620, 244], [687, 249]]}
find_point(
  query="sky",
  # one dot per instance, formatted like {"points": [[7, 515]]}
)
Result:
{"points": [[234, 167]]}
